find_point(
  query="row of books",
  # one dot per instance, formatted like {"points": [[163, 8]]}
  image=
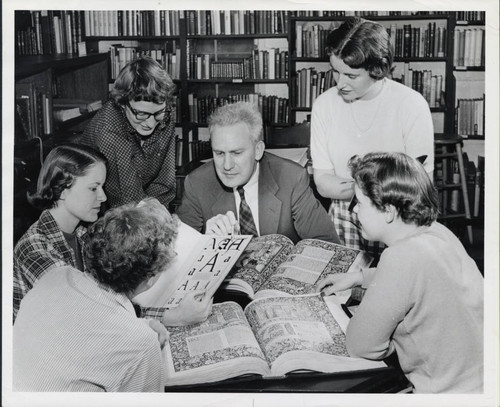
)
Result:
{"points": [[407, 41], [37, 112], [347, 13], [274, 109], [309, 84], [197, 150], [263, 64], [33, 111], [227, 22], [468, 47], [470, 117], [168, 57], [418, 42], [48, 32], [424, 82], [470, 15], [117, 23], [310, 40]]}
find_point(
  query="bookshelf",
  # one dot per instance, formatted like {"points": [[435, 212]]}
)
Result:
{"points": [[422, 58], [469, 69], [46, 72], [217, 56], [214, 57]]}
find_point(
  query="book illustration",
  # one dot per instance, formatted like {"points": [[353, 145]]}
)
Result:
{"points": [[291, 324], [225, 335], [201, 264], [271, 337], [255, 265], [273, 265]]}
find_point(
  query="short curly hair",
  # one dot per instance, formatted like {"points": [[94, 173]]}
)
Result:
{"points": [[62, 165], [361, 43], [131, 244], [399, 180], [143, 79]]}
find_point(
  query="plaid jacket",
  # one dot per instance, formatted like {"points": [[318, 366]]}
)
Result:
{"points": [[43, 248]]}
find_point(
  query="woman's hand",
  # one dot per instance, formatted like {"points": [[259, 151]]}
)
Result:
{"points": [[339, 282], [195, 307], [162, 332]]}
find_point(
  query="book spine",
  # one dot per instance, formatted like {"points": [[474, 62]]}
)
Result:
{"points": [[406, 40]]}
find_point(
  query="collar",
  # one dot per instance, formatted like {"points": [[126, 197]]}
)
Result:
{"points": [[111, 295], [254, 179]]}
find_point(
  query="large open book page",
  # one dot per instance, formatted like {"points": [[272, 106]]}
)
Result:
{"points": [[272, 337], [271, 265], [221, 347]]}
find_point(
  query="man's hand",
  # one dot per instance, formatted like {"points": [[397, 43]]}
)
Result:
{"points": [[195, 307], [339, 282], [162, 332], [222, 225]]}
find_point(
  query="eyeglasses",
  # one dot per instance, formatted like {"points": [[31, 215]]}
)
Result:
{"points": [[142, 116]]}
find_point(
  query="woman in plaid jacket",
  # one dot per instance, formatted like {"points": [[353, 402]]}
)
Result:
{"points": [[70, 193]]}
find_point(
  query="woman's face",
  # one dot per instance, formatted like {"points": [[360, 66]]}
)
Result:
{"points": [[136, 110], [373, 220], [352, 84], [82, 201]]}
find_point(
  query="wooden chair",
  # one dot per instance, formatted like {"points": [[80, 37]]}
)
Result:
{"points": [[449, 175], [293, 136]]}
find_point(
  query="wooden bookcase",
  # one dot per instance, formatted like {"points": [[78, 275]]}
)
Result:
{"points": [[408, 63], [177, 38], [39, 81], [202, 48]]}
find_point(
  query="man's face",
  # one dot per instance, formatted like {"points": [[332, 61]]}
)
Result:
{"points": [[235, 154]]}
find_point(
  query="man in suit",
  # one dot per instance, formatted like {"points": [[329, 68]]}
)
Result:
{"points": [[247, 190]]}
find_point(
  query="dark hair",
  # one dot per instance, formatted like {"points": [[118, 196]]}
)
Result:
{"points": [[239, 112], [143, 79], [130, 244], [62, 165], [360, 43], [399, 180]]}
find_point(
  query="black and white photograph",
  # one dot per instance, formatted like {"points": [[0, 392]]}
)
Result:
{"points": [[251, 204]]}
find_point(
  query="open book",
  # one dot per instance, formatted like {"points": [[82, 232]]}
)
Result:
{"points": [[272, 265], [201, 264], [272, 337]]}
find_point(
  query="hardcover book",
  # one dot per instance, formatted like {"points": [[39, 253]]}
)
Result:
{"points": [[271, 337], [272, 265]]}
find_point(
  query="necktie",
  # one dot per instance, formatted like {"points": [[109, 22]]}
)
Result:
{"points": [[247, 225]]}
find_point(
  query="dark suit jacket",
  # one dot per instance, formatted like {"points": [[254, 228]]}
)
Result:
{"points": [[286, 202]]}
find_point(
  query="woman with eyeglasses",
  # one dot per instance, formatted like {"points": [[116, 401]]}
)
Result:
{"points": [[135, 131]]}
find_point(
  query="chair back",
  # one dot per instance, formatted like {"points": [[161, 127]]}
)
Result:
{"points": [[292, 136]]}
